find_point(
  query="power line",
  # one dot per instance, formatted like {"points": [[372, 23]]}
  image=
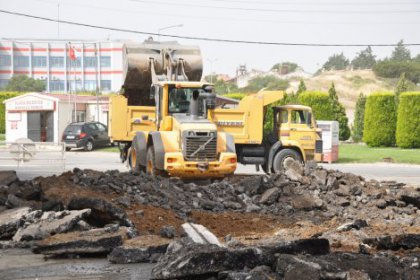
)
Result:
{"points": [[277, 10], [218, 18], [316, 3], [200, 38]]}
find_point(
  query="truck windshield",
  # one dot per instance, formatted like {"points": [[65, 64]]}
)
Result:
{"points": [[180, 98]]}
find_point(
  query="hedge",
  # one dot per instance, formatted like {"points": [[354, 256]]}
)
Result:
{"points": [[380, 120], [320, 104], [408, 124], [4, 96], [237, 96]]}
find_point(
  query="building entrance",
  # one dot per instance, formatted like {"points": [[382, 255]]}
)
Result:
{"points": [[41, 126]]}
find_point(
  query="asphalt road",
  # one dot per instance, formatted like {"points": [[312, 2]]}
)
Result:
{"points": [[102, 161], [22, 264]]}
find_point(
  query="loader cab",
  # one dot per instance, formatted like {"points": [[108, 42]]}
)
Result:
{"points": [[182, 99]]}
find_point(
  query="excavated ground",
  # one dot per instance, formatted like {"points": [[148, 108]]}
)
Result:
{"points": [[354, 215]]}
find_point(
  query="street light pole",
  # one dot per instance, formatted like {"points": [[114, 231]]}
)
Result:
{"points": [[168, 27], [211, 68]]}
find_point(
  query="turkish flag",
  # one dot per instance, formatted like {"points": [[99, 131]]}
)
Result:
{"points": [[72, 53]]}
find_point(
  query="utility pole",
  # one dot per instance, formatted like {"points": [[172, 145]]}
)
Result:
{"points": [[211, 68], [97, 85]]}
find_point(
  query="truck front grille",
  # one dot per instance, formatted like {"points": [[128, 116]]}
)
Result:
{"points": [[192, 144]]}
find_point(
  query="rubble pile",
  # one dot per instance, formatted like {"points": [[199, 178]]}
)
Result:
{"points": [[306, 223]]}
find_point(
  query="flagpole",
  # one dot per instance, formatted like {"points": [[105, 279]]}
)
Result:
{"points": [[74, 78]]}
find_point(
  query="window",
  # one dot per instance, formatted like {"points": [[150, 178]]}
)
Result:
{"points": [[80, 116], [3, 83], [39, 61], [284, 116], [21, 61], [106, 85], [78, 85], [179, 100], [5, 60], [299, 116], [90, 62], [76, 63], [105, 61], [90, 85], [56, 61], [56, 85], [101, 127]]}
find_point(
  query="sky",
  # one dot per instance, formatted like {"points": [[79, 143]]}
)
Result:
{"points": [[291, 21]]}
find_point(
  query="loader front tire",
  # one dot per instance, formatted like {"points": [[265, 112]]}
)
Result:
{"points": [[151, 163]]}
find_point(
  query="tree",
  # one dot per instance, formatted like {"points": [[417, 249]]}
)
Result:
{"points": [[336, 62], [285, 67], [23, 83], [268, 82], [359, 116], [339, 113], [401, 53], [301, 88], [394, 69], [402, 85], [364, 59]]}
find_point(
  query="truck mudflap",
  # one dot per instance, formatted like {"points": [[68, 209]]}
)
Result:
{"points": [[175, 165]]}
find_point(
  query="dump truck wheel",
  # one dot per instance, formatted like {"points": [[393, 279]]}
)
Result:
{"points": [[282, 156], [151, 163]]}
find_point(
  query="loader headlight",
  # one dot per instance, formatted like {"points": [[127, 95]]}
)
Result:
{"points": [[212, 134], [191, 133]]}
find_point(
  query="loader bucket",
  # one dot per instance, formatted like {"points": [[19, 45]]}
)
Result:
{"points": [[137, 74]]}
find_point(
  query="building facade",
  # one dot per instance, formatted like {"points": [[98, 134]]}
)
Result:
{"points": [[97, 64], [42, 117]]}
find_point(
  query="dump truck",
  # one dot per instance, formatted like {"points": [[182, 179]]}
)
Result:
{"points": [[293, 135], [160, 118]]}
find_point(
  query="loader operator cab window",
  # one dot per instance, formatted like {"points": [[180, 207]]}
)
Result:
{"points": [[180, 98]]}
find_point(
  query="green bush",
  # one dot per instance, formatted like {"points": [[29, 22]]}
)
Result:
{"points": [[236, 95], [380, 120], [4, 96], [359, 117], [394, 69], [408, 124], [320, 103]]}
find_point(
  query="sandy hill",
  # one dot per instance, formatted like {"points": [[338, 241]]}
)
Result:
{"points": [[349, 84]]}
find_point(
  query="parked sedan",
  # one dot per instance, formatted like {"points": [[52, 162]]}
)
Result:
{"points": [[86, 135]]}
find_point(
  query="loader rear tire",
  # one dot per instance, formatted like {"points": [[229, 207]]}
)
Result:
{"points": [[151, 163], [134, 160]]}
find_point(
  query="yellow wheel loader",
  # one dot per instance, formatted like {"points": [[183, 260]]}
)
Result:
{"points": [[160, 121]]}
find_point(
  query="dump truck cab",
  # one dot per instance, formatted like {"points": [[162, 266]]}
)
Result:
{"points": [[294, 135]]}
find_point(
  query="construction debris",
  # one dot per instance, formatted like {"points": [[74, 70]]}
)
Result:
{"points": [[306, 223]]}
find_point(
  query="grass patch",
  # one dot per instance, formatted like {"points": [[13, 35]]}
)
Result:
{"points": [[2, 137], [359, 153], [358, 81], [108, 149]]}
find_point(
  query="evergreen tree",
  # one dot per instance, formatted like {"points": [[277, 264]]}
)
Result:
{"points": [[301, 88], [401, 53], [339, 113], [364, 59], [359, 116], [402, 85], [336, 62]]}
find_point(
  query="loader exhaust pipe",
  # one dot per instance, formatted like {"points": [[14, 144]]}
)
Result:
{"points": [[194, 105]]}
